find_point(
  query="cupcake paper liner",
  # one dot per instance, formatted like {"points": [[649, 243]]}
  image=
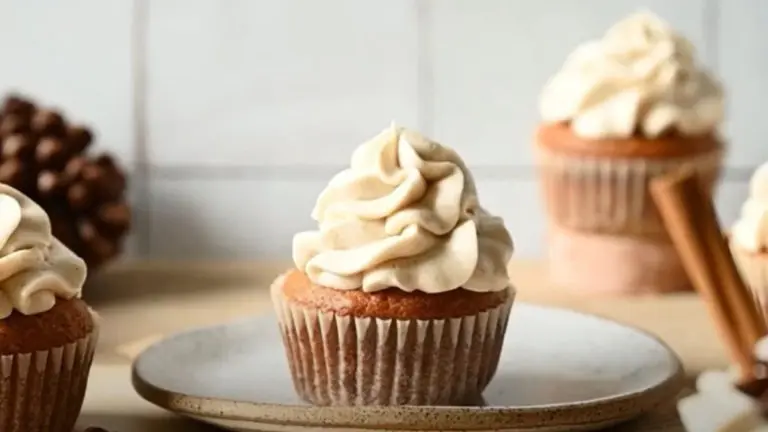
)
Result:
{"points": [[753, 268], [610, 195], [43, 391], [343, 360]]}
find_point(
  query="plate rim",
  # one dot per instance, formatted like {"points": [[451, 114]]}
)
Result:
{"points": [[444, 417]]}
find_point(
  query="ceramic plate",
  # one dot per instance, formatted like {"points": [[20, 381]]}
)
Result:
{"points": [[559, 371]]}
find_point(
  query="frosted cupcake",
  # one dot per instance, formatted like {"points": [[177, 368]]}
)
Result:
{"points": [[749, 239], [625, 108], [402, 296], [47, 334]]}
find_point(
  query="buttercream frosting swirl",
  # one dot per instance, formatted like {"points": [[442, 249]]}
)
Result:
{"points": [[35, 268], [641, 77], [405, 214], [750, 232]]}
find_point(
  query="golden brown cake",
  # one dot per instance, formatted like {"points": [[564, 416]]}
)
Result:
{"points": [[66, 322], [390, 303], [401, 297], [622, 110], [47, 334]]}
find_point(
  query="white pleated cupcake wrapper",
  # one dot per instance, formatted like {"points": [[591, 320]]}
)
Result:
{"points": [[43, 391], [341, 360], [610, 195], [754, 270]]}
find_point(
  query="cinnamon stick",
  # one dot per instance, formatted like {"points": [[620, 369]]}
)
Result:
{"points": [[690, 218]]}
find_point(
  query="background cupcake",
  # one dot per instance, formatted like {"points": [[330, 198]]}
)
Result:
{"points": [[623, 109], [402, 295], [749, 239], [47, 334]]}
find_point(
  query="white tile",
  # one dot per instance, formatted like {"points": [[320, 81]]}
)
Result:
{"points": [[229, 218], [263, 82], [137, 196], [743, 43], [75, 55], [519, 203], [256, 218], [490, 59], [729, 199]]}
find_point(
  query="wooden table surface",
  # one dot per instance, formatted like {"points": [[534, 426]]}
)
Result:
{"points": [[143, 301]]}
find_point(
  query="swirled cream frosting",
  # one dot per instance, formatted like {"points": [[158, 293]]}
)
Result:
{"points": [[35, 268], [750, 232], [405, 214], [641, 77]]}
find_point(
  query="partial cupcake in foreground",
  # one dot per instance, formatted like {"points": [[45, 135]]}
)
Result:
{"points": [[402, 295], [748, 239], [47, 334], [622, 110]]}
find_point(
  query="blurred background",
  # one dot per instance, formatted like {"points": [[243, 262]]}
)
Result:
{"points": [[230, 116]]}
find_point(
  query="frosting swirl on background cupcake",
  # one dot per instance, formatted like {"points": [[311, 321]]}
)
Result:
{"points": [[35, 268], [641, 77], [406, 215], [750, 232]]}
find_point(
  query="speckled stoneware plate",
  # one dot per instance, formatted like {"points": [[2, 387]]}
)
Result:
{"points": [[560, 371]]}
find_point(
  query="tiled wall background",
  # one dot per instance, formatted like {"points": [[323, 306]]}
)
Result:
{"points": [[232, 114]]}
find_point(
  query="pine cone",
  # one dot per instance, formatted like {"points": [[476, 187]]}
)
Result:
{"points": [[44, 156]]}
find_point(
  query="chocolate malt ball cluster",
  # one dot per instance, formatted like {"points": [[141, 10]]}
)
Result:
{"points": [[44, 156]]}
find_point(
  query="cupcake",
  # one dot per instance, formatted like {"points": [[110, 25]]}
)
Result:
{"points": [[401, 297], [625, 108], [748, 239], [47, 334]]}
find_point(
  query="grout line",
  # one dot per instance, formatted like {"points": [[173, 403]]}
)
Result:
{"points": [[425, 82], [712, 29], [325, 172], [303, 173], [142, 169]]}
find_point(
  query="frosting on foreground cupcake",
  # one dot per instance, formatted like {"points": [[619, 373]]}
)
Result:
{"points": [[642, 76], [405, 214], [35, 268]]}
